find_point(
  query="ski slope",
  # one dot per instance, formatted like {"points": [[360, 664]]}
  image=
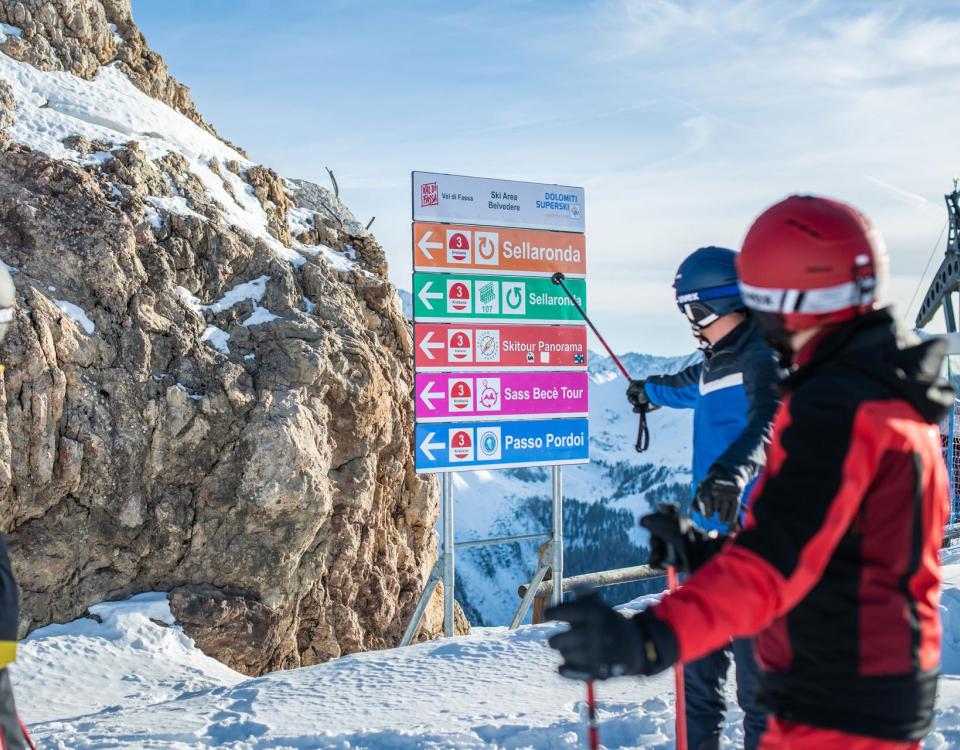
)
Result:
{"points": [[136, 682]]}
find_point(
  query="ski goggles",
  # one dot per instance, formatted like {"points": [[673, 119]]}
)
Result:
{"points": [[696, 305]]}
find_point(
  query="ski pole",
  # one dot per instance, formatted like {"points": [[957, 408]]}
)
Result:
{"points": [[643, 432], [558, 280], [681, 711], [593, 726], [593, 729], [26, 735]]}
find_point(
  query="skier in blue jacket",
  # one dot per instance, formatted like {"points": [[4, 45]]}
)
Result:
{"points": [[733, 392]]}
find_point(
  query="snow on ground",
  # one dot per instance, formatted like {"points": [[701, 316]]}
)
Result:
{"points": [[131, 683], [8, 30], [252, 290], [125, 660], [259, 316], [176, 204]]}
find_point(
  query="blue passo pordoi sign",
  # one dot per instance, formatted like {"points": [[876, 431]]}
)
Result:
{"points": [[460, 446]]}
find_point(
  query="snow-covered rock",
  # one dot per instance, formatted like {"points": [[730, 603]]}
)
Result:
{"points": [[195, 399]]}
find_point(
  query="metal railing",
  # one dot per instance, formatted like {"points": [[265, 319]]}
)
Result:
{"points": [[550, 559], [596, 580]]}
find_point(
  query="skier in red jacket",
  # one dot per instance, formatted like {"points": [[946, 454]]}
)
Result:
{"points": [[838, 568]]}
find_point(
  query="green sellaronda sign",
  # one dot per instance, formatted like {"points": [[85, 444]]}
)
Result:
{"points": [[447, 298]]}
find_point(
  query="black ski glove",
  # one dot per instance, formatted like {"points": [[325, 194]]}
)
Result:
{"points": [[719, 494], [637, 396], [677, 541], [602, 643]]}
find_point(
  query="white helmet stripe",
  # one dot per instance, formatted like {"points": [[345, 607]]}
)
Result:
{"points": [[812, 301]]}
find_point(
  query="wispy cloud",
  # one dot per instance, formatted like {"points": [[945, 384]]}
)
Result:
{"points": [[683, 118], [911, 198]]}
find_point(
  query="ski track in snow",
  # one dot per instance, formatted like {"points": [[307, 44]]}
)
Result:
{"points": [[130, 683]]}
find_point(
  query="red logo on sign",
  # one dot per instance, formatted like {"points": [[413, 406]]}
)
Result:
{"points": [[460, 346], [429, 195], [458, 247], [458, 298], [461, 395], [461, 445]]}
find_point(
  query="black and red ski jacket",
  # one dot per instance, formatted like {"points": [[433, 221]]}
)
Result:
{"points": [[838, 566]]}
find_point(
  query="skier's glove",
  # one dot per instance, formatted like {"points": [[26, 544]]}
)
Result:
{"points": [[719, 495], [602, 643], [637, 396], [678, 542]]}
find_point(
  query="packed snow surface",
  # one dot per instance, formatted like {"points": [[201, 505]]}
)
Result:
{"points": [[130, 682], [133, 657]]}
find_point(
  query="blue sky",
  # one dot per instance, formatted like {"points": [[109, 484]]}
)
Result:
{"points": [[681, 119]]}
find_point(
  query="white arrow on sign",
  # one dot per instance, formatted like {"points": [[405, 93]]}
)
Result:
{"points": [[428, 395], [427, 447], [426, 295], [428, 343], [426, 246]]}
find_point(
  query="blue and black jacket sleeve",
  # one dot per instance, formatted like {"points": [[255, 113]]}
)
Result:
{"points": [[678, 391]]}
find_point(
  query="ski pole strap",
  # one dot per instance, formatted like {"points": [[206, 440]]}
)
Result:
{"points": [[643, 432]]}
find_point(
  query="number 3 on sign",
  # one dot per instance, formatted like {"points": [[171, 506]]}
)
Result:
{"points": [[461, 445], [458, 297]]}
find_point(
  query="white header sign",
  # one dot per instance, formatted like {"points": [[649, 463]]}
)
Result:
{"points": [[501, 203]]}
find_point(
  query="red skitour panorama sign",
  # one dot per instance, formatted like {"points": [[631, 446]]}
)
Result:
{"points": [[500, 347]]}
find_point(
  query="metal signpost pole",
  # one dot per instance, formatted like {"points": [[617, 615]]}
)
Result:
{"points": [[557, 563], [449, 582]]}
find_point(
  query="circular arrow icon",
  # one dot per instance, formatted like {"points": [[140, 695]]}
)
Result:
{"points": [[514, 297]]}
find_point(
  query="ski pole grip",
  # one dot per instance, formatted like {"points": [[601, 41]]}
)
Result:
{"points": [[557, 278]]}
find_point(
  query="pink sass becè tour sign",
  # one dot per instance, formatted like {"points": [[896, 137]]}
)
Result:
{"points": [[507, 395]]}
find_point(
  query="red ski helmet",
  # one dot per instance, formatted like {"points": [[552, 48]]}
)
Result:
{"points": [[809, 261]]}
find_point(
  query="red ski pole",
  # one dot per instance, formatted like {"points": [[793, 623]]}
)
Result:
{"points": [[593, 729], [558, 280], [681, 713], [643, 433]]}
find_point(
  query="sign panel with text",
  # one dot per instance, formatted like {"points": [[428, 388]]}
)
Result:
{"points": [[456, 247], [502, 203], [462, 446], [492, 346], [472, 297]]}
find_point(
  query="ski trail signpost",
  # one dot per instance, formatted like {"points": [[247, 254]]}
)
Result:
{"points": [[500, 351]]}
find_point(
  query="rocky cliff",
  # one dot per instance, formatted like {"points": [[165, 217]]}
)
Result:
{"points": [[207, 389]]}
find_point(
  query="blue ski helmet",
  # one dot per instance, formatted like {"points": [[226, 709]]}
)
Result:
{"points": [[706, 286]]}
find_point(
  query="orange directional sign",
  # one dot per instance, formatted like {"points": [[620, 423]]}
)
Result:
{"points": [[455, 247]]}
